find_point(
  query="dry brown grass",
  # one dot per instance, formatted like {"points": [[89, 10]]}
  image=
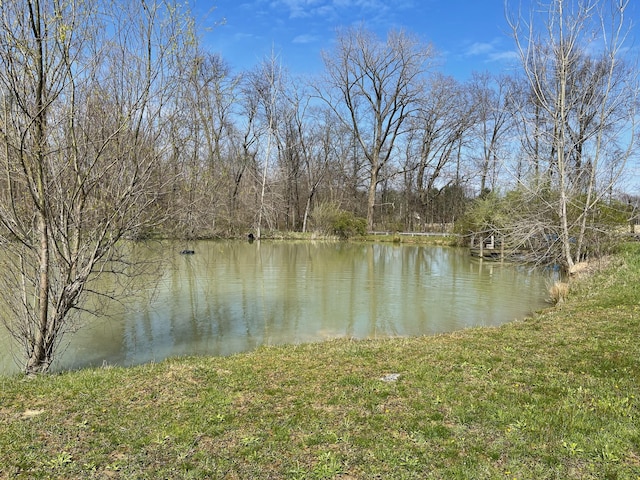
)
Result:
{"points": [[558, 292]]}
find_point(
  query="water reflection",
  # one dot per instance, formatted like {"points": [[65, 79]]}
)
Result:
{"points": [[234, 296]]}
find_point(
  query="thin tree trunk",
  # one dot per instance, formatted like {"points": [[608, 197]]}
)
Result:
{"points": [[371, 198], [39, 355]]}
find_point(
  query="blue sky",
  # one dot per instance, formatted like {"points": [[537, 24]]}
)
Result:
{"points": [[469, 35]]}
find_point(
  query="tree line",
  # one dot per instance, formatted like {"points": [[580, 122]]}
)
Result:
{"points": [[118, 123]]}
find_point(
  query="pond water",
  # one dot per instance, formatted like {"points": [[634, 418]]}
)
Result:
{"points": [[231, 297]]}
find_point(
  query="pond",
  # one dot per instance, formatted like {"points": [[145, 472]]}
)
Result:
{"points": [[231, 296]]}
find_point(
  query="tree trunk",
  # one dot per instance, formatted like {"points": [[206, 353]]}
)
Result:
{"points": [[40, 349], [371, 197], [39, 355]]}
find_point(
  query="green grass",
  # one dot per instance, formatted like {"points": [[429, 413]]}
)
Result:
{"points": [[555, 396], [445, 240]]}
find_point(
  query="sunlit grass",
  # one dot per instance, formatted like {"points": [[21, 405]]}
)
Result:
{"points": [[555, 396]]}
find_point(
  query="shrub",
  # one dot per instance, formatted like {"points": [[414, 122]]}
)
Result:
{"points": [[329, 219]]}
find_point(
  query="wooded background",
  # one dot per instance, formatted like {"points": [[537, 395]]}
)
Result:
{"points": [[117, 123]]}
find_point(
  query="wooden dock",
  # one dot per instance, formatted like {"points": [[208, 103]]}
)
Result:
{"points": [[487, 247]]}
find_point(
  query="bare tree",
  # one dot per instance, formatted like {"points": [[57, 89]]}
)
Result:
{"points": [[320, 149], [436, 134], [245, 145], [265, 93], [374, 88], [493, 121], [83, 88], [203, 137], [586, 96]]}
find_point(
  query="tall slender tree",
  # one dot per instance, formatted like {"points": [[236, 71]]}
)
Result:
{"points": [[266, 89], [375, 86], [585, 99], [83, 85], [493, 121]]}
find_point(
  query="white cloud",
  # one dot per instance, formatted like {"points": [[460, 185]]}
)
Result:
{"points": [[480, 48], [506, 56], [490, 51], [302, 8], [336, 8], [306, 38]]}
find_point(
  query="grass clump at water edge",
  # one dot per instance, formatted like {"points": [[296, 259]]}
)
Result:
{"points": [[554, 396]]}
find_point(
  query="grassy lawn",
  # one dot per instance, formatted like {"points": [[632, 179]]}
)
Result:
{"points": [[555, 396]]}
